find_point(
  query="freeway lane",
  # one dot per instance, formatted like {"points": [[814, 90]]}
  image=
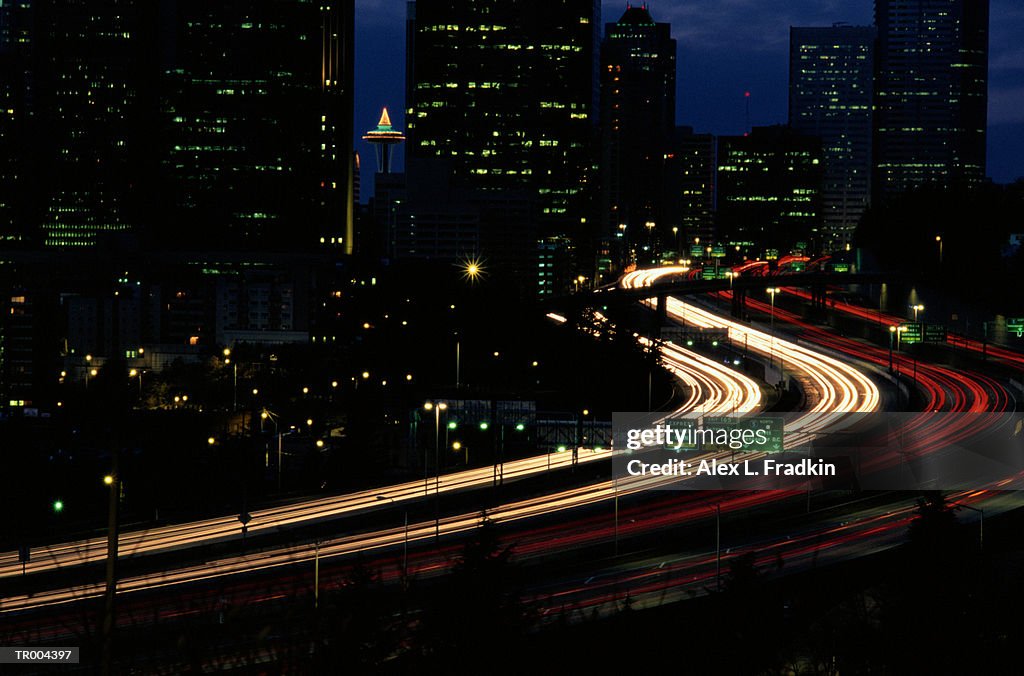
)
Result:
{"points": [[711, 387], [219, 529], [565, 535], [721, 390]]}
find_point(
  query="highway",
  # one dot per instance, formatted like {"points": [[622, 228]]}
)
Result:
{"points": [[833, 386], [713, 387]]}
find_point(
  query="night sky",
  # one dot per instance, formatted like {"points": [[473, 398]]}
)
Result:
{"points": [[726, 47]]}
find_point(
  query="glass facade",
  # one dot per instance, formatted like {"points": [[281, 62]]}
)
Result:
{"points": [[638, 106], [502, 93], [931, 93], [831, 73], [257, 123], [769, 189]]}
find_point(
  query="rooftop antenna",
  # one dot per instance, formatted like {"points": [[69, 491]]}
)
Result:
{"points": [[746, 98]]}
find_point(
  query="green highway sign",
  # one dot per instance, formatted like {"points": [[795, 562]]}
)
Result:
{"points": [[773, 426], [934, 333], [798, 266], [696, 251], [840, 267], [1015, 325], [910, 333], [718, 252], [771, 254]]}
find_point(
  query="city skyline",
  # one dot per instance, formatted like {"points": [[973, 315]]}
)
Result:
{"points": [[721, 54]]}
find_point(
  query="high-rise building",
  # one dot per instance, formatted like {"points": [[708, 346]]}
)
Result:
{"points": [[92, 69], [257, 148], [831, 73], [15, 97], [502, 96], [690, 188], [769, 190], [931, 93], [638, 107]]}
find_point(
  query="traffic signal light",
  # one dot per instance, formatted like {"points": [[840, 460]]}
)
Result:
{"points": [[58, 506], [520, 427], [484, 425]]}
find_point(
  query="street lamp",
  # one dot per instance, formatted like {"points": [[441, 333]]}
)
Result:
{"points": [[916, 309], [981, 524], [405, 540], [436, 408], [938, 239], [892, 332], [137, 373], [266, 414], [772, 291], [234, 379]]}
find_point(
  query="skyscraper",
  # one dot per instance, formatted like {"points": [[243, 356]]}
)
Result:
{"points": [[690, 188], [257, 113], [91, 69], [769, 190], [15, 97], [638, 107], [931, 93], [501, 95], [831, 73]]}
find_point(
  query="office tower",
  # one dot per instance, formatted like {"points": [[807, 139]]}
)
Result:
{"points": [[831, 73], [931, 93], [638, 83], [769, 190], [91, 67], [15, 96], [690, 189], [501, 96], [257, 149]]}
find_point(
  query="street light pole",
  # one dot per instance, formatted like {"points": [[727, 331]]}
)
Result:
{"points": [[405, 540], [771, 353], [892, 330], [316, 575], [718, 546], [981, 523]]}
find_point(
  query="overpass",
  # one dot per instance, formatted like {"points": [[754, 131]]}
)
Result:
{"points": [[680, 285]]}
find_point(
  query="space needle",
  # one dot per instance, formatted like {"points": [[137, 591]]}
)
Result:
{"points": [[384, 138]]}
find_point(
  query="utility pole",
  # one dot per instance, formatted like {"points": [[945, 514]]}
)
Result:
{"points": [[718, 546], [113, 480]]}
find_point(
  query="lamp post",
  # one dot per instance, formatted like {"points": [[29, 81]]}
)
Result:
{"points": [[718, 546], [938, 239], [772, 291], [234, 380], [133, 373], [981, 523], [892, 332], [436, 408], [270, 415], [917, 309], [405, 540]]}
